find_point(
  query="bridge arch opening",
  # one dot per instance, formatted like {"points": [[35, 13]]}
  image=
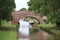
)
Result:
{"points": [[33, 18], [17, 15]]}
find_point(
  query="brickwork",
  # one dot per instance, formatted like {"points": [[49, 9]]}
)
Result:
{"points": [[17, 15]]}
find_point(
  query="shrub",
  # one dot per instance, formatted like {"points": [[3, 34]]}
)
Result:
{"points": [[34, 30]]}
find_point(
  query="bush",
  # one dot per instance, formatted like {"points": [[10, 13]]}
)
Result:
{"points": [[58, 23], [52, 30], [8, 28], [34, 30], [58, 20]]}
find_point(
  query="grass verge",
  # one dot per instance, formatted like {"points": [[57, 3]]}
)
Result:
{"points": [[8, 35], [51, 29]]}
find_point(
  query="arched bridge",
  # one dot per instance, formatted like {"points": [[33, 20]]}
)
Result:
{"points": [[17, 15]]}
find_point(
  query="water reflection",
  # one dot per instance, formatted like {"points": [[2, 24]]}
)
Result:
{"points": [[24, 32], [24, 29]]}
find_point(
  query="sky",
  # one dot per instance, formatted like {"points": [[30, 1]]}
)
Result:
{"points": [[21, 4]]}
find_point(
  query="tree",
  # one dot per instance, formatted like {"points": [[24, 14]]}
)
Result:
{"points": [[6, 8], [50, 8], [23, 9]]}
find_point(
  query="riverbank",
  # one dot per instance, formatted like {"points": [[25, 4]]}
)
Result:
{"points": [[53, 30], [41, 35]]}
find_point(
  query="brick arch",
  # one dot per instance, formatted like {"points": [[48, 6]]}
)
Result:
{"points": [[17, 15], [35, 17]]}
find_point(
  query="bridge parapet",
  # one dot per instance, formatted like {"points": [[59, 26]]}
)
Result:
{"points": [[17, 15]]}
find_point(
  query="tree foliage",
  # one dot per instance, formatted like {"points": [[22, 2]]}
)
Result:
{"points": [[6, 7], [23, 9], [50, 8]]}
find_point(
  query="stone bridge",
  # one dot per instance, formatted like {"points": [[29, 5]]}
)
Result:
{"points": [[17, 15]]}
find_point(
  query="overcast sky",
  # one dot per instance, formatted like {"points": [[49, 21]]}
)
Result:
{"points": [[21, 4]]}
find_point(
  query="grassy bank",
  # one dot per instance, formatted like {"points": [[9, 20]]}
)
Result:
{"points": [[51, 29], [8, 35], [8, 31]]}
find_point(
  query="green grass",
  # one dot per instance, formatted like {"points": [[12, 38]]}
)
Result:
{"points": [[57, 32], [51, 29], [7, 24], [8, 31], [8, 35], [47, 25]]}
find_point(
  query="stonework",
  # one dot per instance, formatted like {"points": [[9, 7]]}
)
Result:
{"points": [[17, 15]]}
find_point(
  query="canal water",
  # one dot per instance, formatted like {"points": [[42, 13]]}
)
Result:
{"points": [[23, 33]]}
